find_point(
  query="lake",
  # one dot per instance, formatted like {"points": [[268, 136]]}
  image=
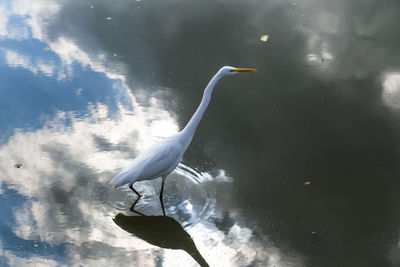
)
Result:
{"points": [[293, 165]]}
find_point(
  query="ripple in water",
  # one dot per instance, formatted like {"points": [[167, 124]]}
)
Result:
{"points": [[189, 196]]}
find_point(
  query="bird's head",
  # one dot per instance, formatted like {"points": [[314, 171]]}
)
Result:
{"points": [[228, 70]]}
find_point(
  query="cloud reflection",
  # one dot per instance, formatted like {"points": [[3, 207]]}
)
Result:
{"points": [[65, 176], [14, 59], [391, 89], [34, 14]]}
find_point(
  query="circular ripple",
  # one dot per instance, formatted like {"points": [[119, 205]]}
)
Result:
{"points": [[192, 197], [189, 196]]}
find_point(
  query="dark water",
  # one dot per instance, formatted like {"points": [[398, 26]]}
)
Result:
{"points": [[295, 165]]}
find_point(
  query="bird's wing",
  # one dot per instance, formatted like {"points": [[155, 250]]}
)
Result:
{"points": [[152, 163], [157, 160]]}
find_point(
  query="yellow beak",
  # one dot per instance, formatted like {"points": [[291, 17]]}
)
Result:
{"points": [[243, 69]]}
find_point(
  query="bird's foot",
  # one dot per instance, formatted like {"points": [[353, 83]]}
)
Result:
{"points": [[132, 208]]}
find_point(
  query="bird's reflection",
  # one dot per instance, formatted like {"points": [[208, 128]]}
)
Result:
{"points": [[161, 231]]}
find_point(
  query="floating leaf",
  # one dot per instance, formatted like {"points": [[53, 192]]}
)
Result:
{"points": [[323, 59], [18, 165], [264, 38], [307, 183]]}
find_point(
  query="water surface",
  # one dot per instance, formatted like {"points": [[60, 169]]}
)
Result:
{"points": [[295, 165]]}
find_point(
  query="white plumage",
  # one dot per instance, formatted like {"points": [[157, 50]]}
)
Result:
{"points": [[158, 160], [163, 157]]}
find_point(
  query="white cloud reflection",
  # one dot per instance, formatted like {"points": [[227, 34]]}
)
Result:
{"points": [[36, 12], [13, 260], [69, 52], [45, 169], [15, 59], [33, 13], [65, 176], [391, 89], [323, 27], [35, 17]]}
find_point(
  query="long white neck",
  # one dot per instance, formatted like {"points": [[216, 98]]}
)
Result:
{"points": [[187, 133]]}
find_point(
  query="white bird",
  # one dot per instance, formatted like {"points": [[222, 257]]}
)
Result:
{"points": [[162, 158]]}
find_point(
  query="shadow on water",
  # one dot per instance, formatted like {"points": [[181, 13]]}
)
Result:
{"points": [[161, 231]]}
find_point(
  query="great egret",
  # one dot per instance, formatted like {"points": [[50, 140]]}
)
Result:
{"points": [[163, 157]]}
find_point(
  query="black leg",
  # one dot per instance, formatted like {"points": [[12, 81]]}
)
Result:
{"points": [[162, 206], [161, 195], [132, 208], [133, 189], [162, 188]]}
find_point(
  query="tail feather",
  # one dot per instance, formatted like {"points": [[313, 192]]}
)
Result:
{"points": [[120, 180]]}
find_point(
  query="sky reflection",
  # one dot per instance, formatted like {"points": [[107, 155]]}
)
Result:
{"points": [[83, 94], [391, 89], [63, 182]]}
